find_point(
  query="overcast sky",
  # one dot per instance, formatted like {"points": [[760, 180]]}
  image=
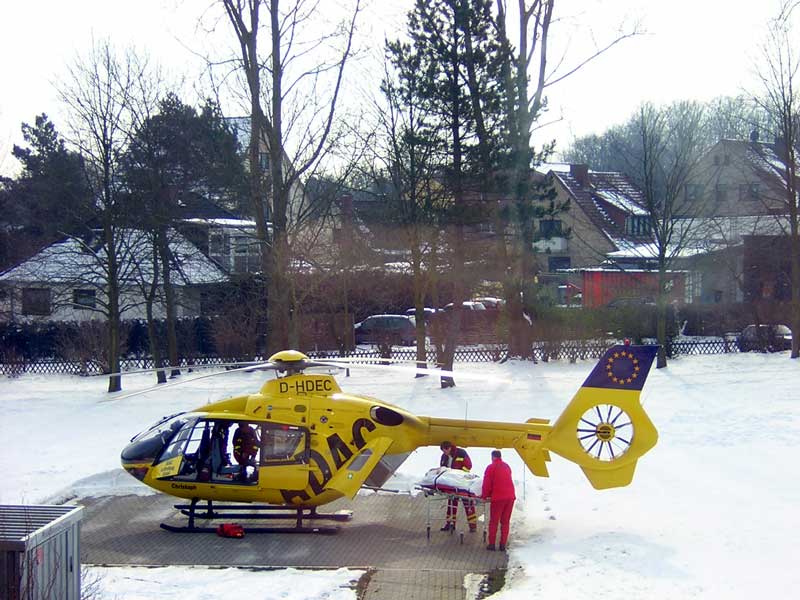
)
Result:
{"points": [[691, 49]]}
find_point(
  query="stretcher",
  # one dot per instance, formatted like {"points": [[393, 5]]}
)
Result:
{"points": [[442, 485], [437, 500]]}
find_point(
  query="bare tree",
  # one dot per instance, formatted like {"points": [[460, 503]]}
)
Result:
{"points": [[528, 73], [408, 157], [778, 96], [661, 156], [293, 91], [99, 94]]}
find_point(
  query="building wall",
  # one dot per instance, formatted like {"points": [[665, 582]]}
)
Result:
{"points": [[63, 308], [602, 287], [725, 182], [587, 246]]}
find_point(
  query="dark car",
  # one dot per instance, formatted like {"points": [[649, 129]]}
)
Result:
{"points": [[427, 312], [765, 338], [386, 329]]}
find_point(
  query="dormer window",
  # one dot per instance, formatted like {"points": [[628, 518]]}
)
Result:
{"points": [[549, 228], [693, 192], [748, 191], [637, 226]]}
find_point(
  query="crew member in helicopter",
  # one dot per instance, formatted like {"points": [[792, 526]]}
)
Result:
{"points": [[245, 448], [457, 458]]}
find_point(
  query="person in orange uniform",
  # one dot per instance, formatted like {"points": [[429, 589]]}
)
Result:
{"points": [[457, 458], [245, 448], [499, 488]]}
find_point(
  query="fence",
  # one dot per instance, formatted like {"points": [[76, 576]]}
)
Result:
{"points": [[541, 351]]}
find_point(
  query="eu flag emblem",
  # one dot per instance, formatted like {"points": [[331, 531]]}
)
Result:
{"points": [[622, 368]]}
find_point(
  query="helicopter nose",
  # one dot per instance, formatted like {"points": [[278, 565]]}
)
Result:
{"points": [[139, 472], [142, 449]]}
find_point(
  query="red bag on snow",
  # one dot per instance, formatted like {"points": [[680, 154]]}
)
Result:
{"points": [[232, 530]]}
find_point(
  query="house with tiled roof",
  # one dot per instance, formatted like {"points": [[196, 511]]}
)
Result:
{"points": [[739, 193], [67, 280], [736, 178], [312, 213], [606, 215]]}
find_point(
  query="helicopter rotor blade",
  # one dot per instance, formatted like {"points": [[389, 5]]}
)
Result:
{"points": [[387, 363], [240, 363], [162, 386], [299, 366]]}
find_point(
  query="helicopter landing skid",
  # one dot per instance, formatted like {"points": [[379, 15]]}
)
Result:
{"points": [[256, 511]]}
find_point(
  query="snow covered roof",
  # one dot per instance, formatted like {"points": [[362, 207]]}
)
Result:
{"points": [[621, 201], [75, 260], [600, 194], [234, 223]]}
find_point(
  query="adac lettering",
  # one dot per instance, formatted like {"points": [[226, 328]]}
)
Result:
{"points": [[305, 386], [340, 451]]}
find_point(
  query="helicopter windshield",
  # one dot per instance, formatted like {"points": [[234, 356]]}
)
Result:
{"points": [[148, 444]]}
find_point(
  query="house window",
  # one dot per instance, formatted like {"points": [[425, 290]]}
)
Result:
{"points": [[36, 301], [694, 192], [263, 160], [554, 263], [218, 244], [694, 286], [637, 226], [721, 192], [748, 191], [549, 228], [83, 298], [246, 254]]}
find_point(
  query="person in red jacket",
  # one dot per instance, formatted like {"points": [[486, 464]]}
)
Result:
{"points": [[499, 487], [457, 458]]}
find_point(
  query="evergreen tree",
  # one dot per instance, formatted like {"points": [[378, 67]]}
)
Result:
{"points": [[174, 154], [49, 198], [454, 67]]}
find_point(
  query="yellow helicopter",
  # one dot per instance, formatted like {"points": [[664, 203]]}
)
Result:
{"points": [[301, 442]]}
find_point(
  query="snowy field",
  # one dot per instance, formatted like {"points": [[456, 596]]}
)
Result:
{"points": [[712, 511]]}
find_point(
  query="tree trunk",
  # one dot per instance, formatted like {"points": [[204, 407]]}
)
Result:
{"points": [[661, 316], [155, 350], [114, 325], [169, 301]]}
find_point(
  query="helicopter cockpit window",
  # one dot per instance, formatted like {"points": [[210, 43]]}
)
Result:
{"points": [[282, 444], [217, 451], [177, 443], [147, 445]]}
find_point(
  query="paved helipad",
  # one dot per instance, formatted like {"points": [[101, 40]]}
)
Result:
{"points": [[387, 536]]}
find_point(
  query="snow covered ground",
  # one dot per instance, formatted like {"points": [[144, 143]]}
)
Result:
{"points": [[712, 511]]}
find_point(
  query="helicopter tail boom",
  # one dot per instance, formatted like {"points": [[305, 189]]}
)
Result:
{"points": [[604, 429]]}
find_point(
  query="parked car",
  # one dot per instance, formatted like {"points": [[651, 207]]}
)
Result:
{"points": [[386, 329], [626, 301], [428, 312], [467, 305], [765, 338], [491, 303]]}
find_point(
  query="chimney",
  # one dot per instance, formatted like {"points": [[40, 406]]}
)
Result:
{"points": [[346, 206], [580, 173], [781, 149]]}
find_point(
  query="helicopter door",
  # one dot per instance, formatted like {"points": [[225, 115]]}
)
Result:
{"points": [[284, 456]]}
